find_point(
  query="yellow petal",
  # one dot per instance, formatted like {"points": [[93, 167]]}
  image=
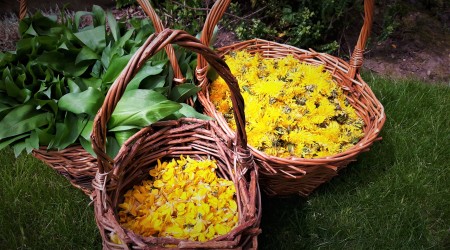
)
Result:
{"points": [[158, 184]]}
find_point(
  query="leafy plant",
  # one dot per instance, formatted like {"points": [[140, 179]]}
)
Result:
{"points": [[301, 23], [53, 84], [188, 15], [123, 3]]}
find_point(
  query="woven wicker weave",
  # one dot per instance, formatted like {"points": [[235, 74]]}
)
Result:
{"points": [[170, 139], [73, 162], [285, 176]]}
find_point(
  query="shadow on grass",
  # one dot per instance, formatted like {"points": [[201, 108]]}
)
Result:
{"points": [[286, 221]]}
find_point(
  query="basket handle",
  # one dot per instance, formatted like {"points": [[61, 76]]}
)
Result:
{"points": [[157, 23], [211, 21], [356, 59], [214, 16], [22, 9], [151, 46]]}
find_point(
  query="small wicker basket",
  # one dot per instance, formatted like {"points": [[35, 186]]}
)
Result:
{"points": [[170, 139], [286, 176]]}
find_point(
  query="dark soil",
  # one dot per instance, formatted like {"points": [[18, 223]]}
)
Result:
{"points": [[420, 48]]}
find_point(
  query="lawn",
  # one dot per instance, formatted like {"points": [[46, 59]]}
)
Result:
{"points": [[396, 196]]}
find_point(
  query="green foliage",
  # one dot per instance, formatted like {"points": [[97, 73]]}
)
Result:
{"points": [[299, 23], [123, 3], [52, 86], [188, 15]]}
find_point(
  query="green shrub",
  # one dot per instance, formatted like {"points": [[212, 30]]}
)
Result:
{"points": [[300, 23]]}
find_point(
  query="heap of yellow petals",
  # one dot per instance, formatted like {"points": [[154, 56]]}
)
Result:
{"points": [[185, 200], [292, 109]]}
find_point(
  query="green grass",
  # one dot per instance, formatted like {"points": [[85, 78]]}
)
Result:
{"points": [[396, 196]]}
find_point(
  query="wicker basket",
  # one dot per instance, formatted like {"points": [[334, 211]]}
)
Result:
{"points": [[286, 176], [170, 139], [74, 162]]}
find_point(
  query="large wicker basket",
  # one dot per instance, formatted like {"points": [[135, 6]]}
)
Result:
{"points": [[285, 176], [170, 139], [74, 162]]}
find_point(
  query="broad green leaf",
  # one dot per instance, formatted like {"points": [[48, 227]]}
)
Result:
{"points": [[123, 128], [62, 63], [165, 91], [68, 132], [91, 82], [86, 144], [99, 15], [73, 86], [46, 43], [57, 88], [93, 38], [46, 105], [88, 101], [42, 24], [7, 100], [20, 80], [45, 137], [188, 111], [106, 57], [189, 73], [31, 31], [183, 91], [114, 28], [22, 95], [122, 41], [141, 108], [153, 82], [97, 69], [18, 148], [86, 54], [23, 26], [32, 142], [6, 58], [143, 73], [122, 136], [87, 130], [22, 119], [112, 146], [63, 46], [212, 74], [4, 108], [116, 66], [10, 141]]}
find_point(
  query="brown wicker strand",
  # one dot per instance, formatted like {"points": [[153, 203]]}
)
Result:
{"points": [[22, 9], [216, 13]]}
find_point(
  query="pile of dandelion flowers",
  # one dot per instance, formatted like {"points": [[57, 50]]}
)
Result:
{"points": [[292, 108], [186, 200]]}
